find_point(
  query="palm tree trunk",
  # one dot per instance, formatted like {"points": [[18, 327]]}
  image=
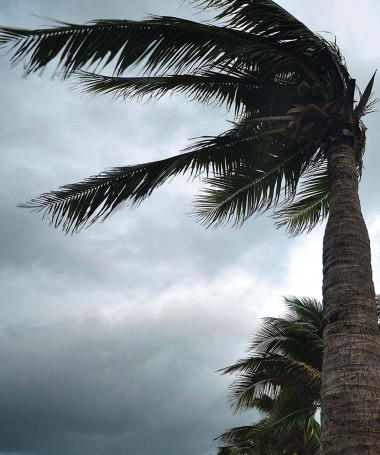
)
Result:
{"points": [[351, 363]]}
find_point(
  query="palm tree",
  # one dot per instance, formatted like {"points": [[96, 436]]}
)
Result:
{"points": [[281, 379], [296, 147]]}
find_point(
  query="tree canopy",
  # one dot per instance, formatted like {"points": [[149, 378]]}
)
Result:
{"points": [[286, 84]]}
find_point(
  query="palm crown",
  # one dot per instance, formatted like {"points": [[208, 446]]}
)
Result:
{"points": [[288, 87]]}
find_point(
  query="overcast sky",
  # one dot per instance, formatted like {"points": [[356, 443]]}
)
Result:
{"points": [[111, 339]]}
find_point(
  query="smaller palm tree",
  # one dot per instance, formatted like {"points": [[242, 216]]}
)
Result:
{"points": [[282, 380]]}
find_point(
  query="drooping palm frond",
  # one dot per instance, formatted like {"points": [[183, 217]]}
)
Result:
{"points": [[161, 43], [286, 427], [253, 189], [310, 208], [267, 374], [247, 93], [287, 415], [83, 203]]}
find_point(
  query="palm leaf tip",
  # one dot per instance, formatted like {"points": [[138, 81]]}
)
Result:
{"points": [[95, 198], [7, 36], [363, 105]]}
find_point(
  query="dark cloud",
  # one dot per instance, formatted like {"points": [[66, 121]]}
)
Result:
{"points": [[119, 384]]}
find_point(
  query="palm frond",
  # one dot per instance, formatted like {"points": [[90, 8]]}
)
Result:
{"points": [[286, 415], [79, 204], [161, 42], [301, 343], [268, 19], [238, 439], [268, 375], [298, 335], [264, 403], [312, 204], [285, 429], [304, 311], [248, 93], [253, 189], [363, 104], [309, 209], [246, 440]]}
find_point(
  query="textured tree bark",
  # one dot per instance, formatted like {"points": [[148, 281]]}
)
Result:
{"points": [[351, 363]]}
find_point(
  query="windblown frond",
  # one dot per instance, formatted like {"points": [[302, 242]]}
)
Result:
{"points": [[160, 42], [287, 427], [286, 354], [363, 104], [268, 374], [95, 198], [254, 189], [286, 415], [245, 92], [310, 208], [266, 18], [298, 336]]}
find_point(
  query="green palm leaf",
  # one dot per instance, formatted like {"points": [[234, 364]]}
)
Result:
{"points": [[95, 198], [253, 189], [267, 375], [295, 335], [165, 42], [268, 19], [286, 355], [285, 416], [247, 93], [285, 428], [161, 43], [310, 208]]}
